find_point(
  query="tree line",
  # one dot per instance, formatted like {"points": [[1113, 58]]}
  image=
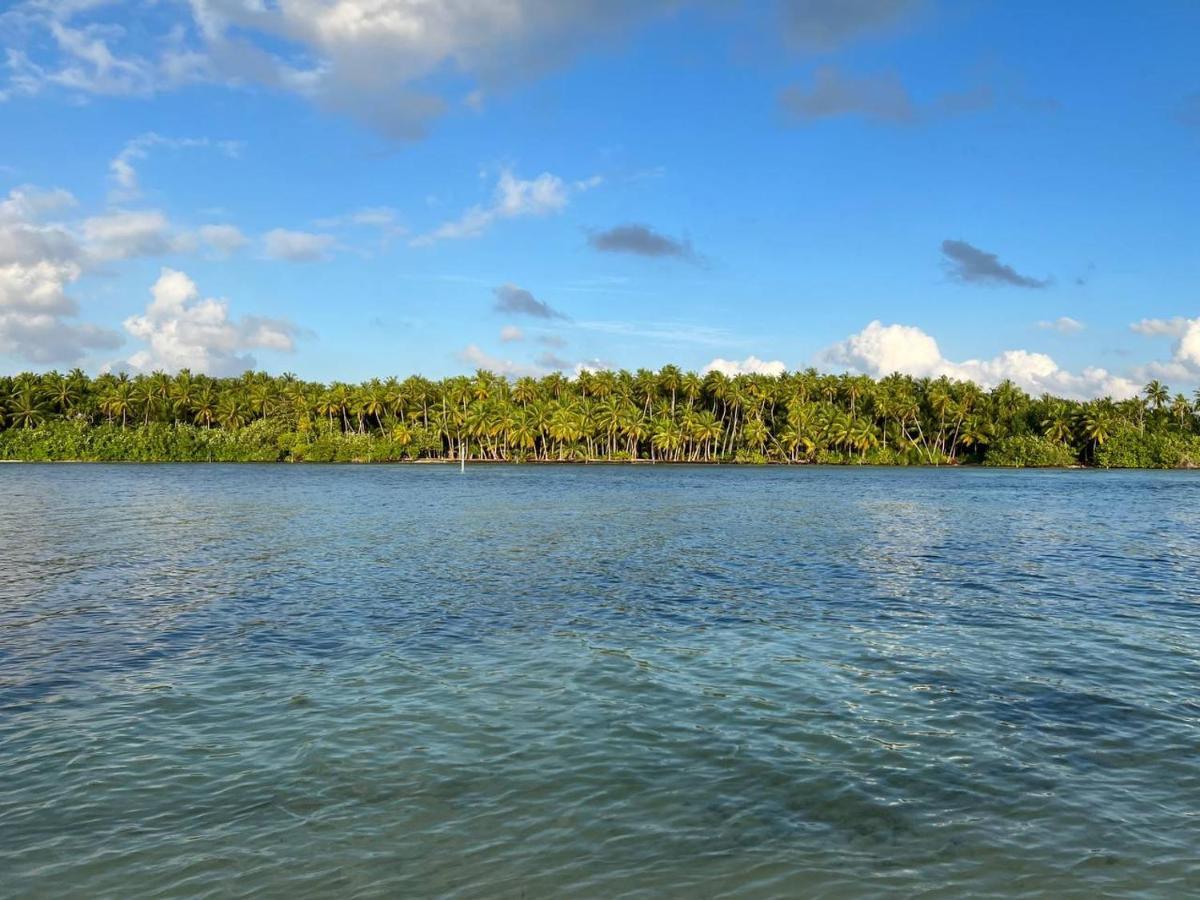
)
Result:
{"points": [[667, 415]]}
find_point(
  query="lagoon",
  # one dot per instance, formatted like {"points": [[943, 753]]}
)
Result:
{"points": [[598, 681]]}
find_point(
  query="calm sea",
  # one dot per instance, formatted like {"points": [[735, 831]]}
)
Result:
{"points": [[598, 682]]}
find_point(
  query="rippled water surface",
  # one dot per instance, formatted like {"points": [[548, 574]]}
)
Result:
{"points": [[598, 682]]}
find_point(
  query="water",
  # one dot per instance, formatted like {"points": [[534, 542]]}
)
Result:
{"points": [[598, 682]]}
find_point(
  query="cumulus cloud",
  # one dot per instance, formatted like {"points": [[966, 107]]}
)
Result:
{"points": [[879, 350], [1184, 363], [123, 234], [224, 240], [751, 365], [27, 204], [879, 97], [1063, 325], [640, 240], [517, 300], [551, 340], [297, 246], [1174, 327], [184, 331], [38, 261], [373, 61], [511, 333], [512, 198], [970, 264]]}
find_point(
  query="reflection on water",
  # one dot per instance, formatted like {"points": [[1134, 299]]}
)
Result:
{"points": [[600, 681]]}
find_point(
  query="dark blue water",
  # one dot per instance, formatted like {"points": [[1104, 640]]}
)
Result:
{"points": [[598, 682]]}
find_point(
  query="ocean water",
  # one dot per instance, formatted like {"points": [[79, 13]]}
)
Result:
{"points": [[598, 682]]}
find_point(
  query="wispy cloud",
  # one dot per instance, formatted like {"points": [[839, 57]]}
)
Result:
{"points": [[478, 358], [122, 168], [297, 246], [225, 240], [665, 332], [512, 198], [1063, 325]]}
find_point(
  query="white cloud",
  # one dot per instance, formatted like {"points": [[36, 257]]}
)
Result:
{"points": [[751, 365], [1174, 327], [124, 173], [513, 198], [37, 264], [879, 350], [1184, 364], [595, 364], [383, 217], [297, 246], [662, 332], [91, 66], [225, 240], [184, 331], [371, 60], [28, 204], [1063, 325], [375, 61], [511, 333], [474, 356], [545, 363], [123, 234]]}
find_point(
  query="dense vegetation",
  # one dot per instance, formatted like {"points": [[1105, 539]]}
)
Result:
{"points": [[663, 416]]}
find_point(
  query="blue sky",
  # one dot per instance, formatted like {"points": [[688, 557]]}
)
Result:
{"points": [[352, 188]]}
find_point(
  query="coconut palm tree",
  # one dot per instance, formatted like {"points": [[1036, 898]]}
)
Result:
{"points": [[118, 402], [1157, 394], [1181, 409], [1057, 424], [27, 409], [1096, 424]]}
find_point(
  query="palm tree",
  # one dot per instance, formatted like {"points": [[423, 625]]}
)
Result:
{"points": [[204, 406], [233, 411], [27, 409], [1181, 409], [64, 393], [119, 402], [1156, 394], [1096, 424], [1057, 424]]}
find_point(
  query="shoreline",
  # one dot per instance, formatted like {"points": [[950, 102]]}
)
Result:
{"points": [[597, 463]]}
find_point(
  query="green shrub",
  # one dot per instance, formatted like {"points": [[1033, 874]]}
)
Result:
{"points": [[1129, 448], [1029, 450]]}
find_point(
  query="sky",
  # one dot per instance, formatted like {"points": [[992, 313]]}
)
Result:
{"points": [[347, 189]]}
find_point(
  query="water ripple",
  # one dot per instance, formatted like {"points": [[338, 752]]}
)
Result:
{"points": [[610, 682]]}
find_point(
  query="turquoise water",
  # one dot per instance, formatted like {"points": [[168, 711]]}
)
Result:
{"points": [[598, 682]]}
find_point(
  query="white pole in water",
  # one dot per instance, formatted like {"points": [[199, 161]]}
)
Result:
{"points": [[462, 458]]}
